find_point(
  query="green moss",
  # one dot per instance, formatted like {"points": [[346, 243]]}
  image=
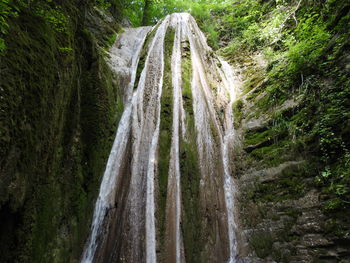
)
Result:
{"points": [[262, 243], [271, 155], [288, 185], [111, 39], [62, 102], [186, 81], [189, 169], [254, 77], [237, 112], [190, 179], [253, 138], [166, 125], [143, 55]]}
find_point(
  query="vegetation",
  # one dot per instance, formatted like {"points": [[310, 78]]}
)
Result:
{"points": [[59, 107], [304, 45], [6, 12]]}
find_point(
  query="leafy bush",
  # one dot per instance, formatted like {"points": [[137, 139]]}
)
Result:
{"points": [[54, 16], [306, 45]]}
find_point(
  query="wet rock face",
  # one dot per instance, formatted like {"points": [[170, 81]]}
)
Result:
{"points": [[59, 106], [281, 214], [167, 194], [281, 210]]}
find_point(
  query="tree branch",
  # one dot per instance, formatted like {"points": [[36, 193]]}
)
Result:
{"points": [[292, 14]]}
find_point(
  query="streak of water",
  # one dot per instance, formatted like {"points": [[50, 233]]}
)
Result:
{"points": [[106, 196], [145, 126], [230, 82], [175, 246], [207, 123]]}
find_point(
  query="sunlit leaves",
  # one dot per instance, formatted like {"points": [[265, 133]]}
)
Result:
{"points": [[54, 16]]}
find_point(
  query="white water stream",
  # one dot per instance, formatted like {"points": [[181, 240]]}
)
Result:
{"points": [[205, 114]]}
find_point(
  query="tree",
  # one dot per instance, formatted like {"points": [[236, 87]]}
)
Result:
{"points": [[146, 12]]}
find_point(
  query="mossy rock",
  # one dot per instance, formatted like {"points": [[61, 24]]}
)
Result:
{"points": [[62, 107]]}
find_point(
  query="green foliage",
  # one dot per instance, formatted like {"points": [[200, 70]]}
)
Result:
{"points": [[134, 11], [66, 49], [293, 37], [335, 181], [303, 44], [254, 138], [333, 204], [54, 16], [202, 12], [300, 51], [7, 11], [111, 40], [154, 10], [212, 34]]}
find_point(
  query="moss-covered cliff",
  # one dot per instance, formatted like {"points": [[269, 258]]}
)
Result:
{"points": [[292, 121], [59, 110]]}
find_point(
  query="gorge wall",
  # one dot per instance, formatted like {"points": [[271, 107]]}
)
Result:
{"points": [[60, 104], [292, 161], [284, 212], [64, 98]]}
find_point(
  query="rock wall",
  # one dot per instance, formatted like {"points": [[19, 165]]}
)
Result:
{"points": [[60, 105], [284, 210]]}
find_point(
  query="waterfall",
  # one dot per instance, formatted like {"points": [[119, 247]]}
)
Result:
{"points": [[125, 227]]}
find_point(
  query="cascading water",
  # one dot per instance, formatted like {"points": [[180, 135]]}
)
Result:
{"points": [[125, 226], [173, 197], [206, 115], [230, 82], [124, 58]]}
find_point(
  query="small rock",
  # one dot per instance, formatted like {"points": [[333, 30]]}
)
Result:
{"points": [[315, 240]]}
